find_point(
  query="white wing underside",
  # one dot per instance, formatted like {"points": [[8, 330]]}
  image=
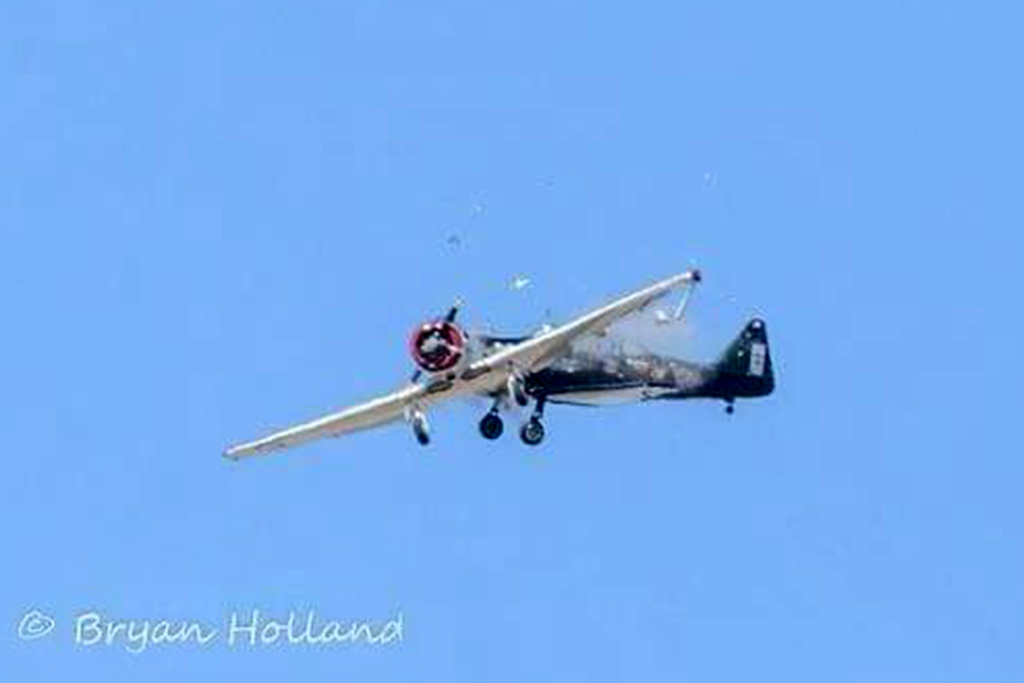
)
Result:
{"points": [[373, 413], [485, 376]]}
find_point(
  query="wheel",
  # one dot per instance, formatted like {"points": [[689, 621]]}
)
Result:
{"points": [[491, 426], [730, 409], [422, 432], [532, 433]]}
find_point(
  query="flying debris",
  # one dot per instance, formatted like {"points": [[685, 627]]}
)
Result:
{"points": [[520, 282], [571, 364]]}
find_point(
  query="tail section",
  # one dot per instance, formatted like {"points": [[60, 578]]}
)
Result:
{"points": [[745, 368]]}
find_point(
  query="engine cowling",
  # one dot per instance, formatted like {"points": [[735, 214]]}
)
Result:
{"points": [[437, 346]]}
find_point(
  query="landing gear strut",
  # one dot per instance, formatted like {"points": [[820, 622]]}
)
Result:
{"points": [[491, 426], [517, 390]]}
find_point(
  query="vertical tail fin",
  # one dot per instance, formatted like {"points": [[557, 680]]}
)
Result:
{"points": [[746, 365]]}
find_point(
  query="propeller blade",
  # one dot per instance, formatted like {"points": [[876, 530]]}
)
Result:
{"points": [[453, 311]]}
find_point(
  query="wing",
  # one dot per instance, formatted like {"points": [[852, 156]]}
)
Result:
{"points": [[537, 352], [373, 413]]}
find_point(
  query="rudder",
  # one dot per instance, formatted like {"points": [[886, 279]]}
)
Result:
{"points": [[746, 365]]}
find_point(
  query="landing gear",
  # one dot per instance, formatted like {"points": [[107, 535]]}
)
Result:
{"points": [[532, 433], [729, 407], [517, 391], [421, 430], [491, 426]]}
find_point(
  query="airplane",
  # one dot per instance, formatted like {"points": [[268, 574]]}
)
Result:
{"points": [[552, 366]]}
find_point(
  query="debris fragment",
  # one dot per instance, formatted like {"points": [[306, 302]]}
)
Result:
{"points": [[520, 282]]}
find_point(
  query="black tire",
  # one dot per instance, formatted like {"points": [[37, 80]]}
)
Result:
{"points": [[491, 426], [532, 433], [422, 435]]}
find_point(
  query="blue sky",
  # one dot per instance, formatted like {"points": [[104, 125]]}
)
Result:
{"points": [[220, 218]]}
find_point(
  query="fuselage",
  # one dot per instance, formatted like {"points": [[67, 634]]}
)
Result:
{"points": [[607, 374], [583, 378]]}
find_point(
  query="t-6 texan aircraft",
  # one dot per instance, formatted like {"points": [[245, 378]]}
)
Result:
{"points": [[551, 366]]}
